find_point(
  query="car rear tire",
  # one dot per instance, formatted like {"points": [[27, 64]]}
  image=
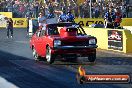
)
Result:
{"points": [[35, 55], [92, 57], [49, 56]]}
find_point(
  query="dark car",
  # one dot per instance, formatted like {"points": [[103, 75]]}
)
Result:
{"points": [[63, 39]]}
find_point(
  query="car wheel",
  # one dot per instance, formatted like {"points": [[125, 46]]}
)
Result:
{"points": [[92, 57], [35, 55], [49, 56]]}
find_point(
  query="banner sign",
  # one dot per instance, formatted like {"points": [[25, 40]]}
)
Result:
{"points": [[20, 22], [6, 14], [115, 40], [89, 21], [2, 20], [17, 22]]}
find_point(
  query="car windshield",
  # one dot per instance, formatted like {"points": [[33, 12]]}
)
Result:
{"points": [[53, 30]]}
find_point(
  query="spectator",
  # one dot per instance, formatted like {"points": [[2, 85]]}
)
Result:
{"points": [[1, 6], [15, 10], [9, 27], [63, 7], [86, 10], [63, 17], [50, 15], [32, 9], [96, 11], [81, 10], [109, 18], [51, 7], [4, 6], [21, 10], [118, 18], [10, 7], [70, 17], [28, 14], [36, 7], [41, 20], [46, 10], [123, 9], [76, 10]]}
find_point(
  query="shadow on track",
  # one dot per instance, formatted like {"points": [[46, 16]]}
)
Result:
{"points": [[20, 77]]}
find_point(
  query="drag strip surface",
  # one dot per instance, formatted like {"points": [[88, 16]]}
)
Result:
{"points": [[19, 70]]}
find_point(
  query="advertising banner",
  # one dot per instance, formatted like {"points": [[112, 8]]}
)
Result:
{"points": [[2, 20], [89, 21], [17, 22], [6, 14], [20, 22], [115, 40]]}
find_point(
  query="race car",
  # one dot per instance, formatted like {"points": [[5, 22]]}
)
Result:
{"points": [[67, 40]]}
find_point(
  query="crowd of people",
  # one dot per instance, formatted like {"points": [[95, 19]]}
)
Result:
{"points": [[26, 8], [21, 9], [98, 9]]}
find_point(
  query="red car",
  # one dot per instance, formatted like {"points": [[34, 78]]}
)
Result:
{"points": [[67, 40]]}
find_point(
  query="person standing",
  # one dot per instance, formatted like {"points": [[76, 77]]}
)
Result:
{"points": [[9, 27], [109, 18], [96, 11], [70, 17], [118, 18], [81, 10], [50, 15], [36, 8], [21, 10], [41, 20], [76, 10], [63, 17], [85, 10]]}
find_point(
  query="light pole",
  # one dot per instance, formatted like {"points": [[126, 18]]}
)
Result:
{"points": [[90, 9]]}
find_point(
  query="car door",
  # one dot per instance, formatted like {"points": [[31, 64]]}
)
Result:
{"points": [[37, 42], [42, 42]]}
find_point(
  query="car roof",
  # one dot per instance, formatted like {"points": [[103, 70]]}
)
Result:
{"points": [[63, 24], [69, 27]]}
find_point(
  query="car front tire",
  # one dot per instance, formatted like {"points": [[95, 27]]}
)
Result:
{"points": [[49, 56], [35, 55]]}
